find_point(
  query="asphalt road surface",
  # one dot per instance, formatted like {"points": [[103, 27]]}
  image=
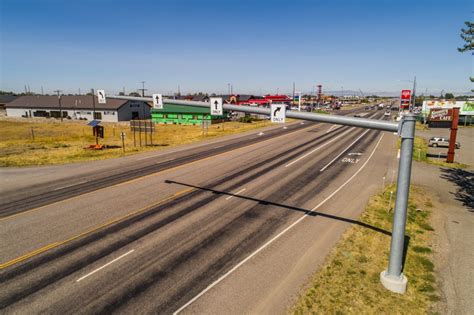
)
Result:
{"points": [[233, 230]]}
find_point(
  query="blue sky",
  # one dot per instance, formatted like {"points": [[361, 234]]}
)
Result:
{"points": [[257, 46]]}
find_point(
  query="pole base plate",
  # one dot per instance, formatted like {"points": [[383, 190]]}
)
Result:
{"points": [[393, 283]]}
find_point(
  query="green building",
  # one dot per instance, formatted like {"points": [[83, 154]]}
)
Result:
{"points": [[182, 115]]}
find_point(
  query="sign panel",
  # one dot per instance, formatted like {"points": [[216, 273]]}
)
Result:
{"points": [[441, 114], [158, 101], [216, 106], [466, 107], [278, 113], [101, 96], [406, 94]]}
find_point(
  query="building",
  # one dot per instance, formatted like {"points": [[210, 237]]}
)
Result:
{"points": [[182, 115], [77, 107], [285, 99], [4, 99]]}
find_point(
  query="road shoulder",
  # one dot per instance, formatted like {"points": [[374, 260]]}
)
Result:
{"points": [[453, 222]]}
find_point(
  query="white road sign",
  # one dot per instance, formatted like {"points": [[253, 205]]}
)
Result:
{"points": [[158, 101], [278, 113], [216, 106], [101, 96]]}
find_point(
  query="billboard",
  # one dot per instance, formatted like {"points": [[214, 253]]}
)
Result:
{"points": [[466, 107]]}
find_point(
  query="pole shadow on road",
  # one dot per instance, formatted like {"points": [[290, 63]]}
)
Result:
{"points": [[293, 208], [464, 180], [305, 211]]}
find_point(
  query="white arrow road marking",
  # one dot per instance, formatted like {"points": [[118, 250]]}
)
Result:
{"points": [[343, 151], [316, 149], [354, 153]]}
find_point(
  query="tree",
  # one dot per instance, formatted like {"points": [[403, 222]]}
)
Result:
{"points": [[467, 34], [449, 96], [122, 93], [134, 94]]}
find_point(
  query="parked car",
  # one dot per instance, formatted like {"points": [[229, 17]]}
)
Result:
{"points": [[441, 142]]}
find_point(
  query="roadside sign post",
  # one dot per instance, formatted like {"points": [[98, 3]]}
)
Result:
{"points": [[122, 136], [392, 278], [452, 137]]}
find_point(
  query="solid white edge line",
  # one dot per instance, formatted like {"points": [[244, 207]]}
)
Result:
{"points": [[242, 190], [279, 234], [100, 268], [316, 149], [343, 151]]}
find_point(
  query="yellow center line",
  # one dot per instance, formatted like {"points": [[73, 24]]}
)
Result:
{"points": [[92, 230]]}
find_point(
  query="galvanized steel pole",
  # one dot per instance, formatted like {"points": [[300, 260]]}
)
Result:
{"points": [[393, 278], [332, 119]]}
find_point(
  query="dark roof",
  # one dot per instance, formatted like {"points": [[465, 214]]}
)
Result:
{"points": [[7, 98], [67, 102], [244, 97], [200, 98]]}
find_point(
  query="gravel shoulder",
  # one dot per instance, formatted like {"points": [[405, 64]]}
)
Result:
{"points": [[453, 221]]}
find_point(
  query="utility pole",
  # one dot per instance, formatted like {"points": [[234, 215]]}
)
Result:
{"points": [[414, 92], [60, 107], [231, 89], [143, 88], [228, 88], [42, 92], [93, 103], [293, 96]]}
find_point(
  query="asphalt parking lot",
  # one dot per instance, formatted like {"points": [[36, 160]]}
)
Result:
{"points": [[465, 136]]}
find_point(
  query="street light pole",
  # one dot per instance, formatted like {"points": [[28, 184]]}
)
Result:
{"points": [[414, 92], [60, 106]]}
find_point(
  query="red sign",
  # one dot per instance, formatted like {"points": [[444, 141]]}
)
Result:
{"points": [[406, 94]]}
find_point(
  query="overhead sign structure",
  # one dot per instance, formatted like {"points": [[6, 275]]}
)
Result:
{"points": [[278, 113], [101, 96], [158, 101], [216, 106]]}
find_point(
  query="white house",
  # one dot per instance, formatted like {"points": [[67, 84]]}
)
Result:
{"points": [[77, 107]]}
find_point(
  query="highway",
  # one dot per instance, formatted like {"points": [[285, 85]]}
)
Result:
{"points": [[232, 228]]}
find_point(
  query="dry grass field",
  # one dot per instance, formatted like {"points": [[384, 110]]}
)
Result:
{"points": [[348, 283], [42, 142]]}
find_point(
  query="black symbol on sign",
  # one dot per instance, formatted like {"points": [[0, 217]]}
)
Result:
{"points": [[276, 111], [101, 94], [157, 99], [215, 104]]}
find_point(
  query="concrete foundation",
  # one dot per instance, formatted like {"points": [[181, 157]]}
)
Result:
{"points": [[394, 284]]}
